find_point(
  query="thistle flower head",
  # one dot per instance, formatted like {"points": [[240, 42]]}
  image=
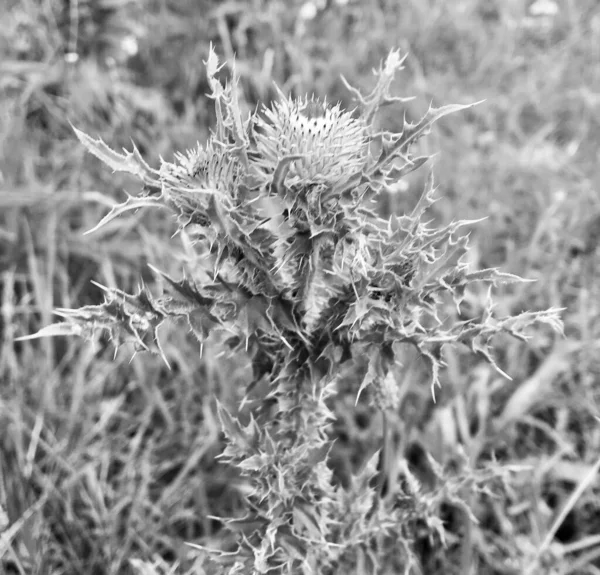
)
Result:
{"points": [[205, 167], [195, 177], [331, 141]]}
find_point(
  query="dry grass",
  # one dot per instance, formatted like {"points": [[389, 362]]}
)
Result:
{"points": [[106, 464]]}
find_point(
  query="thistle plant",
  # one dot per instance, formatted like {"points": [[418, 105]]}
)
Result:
{"points": [[294, 267]]}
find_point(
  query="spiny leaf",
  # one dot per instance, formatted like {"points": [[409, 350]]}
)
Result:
{"points": [[447, 261], [482, 348], [495, 276], [212, 69], [232, 428], [294, 547], [132, 203], [184, 287], [253, 316], [435, 364], [356, 311], [201, 323], [246, 525], [380, 95], [373, 372], [53, 330], [517, 324], [409, 167], [131, 162], [412, 132], [305, 516]]}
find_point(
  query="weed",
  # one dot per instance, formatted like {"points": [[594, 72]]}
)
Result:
{"points": [[296, 269]]}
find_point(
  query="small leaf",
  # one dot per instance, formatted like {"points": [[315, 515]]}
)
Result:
{"points": [[412, 132], [294, 546], [212, 69], [373, 372], [495, 276], [201, 322], [53, 330], [184, 287], [231, 428], [246, 525], [306, 517], [409, 167], [132, 203], [254, 463], [130, 162], [482, 349]]}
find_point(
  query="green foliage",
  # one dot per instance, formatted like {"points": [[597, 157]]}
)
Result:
{"points": [[295, 268]]}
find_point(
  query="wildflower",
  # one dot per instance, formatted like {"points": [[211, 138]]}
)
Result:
{"points": [[293, 262]]}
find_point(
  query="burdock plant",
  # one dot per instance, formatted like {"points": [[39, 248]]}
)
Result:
{"points": [[295, 268]]}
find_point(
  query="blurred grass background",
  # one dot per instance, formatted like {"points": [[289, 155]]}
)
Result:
{"points": [[107, 463]]}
